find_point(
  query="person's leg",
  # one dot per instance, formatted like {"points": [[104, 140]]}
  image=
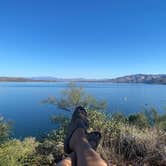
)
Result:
{"points": [[76, 140], [70, 160], [86, 156]]}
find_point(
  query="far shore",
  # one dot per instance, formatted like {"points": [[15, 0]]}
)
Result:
{"points": [[137, 78]]}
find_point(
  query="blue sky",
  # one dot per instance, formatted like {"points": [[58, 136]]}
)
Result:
{"points": [[82, 38]]}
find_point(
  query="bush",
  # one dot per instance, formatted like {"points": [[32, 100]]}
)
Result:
{"points": [[139, 120], [19, 153], [128, 144], [74, 96], [52, 145], [5, 130]]}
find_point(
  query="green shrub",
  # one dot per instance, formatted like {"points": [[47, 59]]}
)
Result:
{"points": [[19, 153], [52, 145], [5, 130], [139, 120]]}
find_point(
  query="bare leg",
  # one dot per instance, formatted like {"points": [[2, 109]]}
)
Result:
{"points": [[68, 161], [76, 140], [93, 139], [86, 156]]}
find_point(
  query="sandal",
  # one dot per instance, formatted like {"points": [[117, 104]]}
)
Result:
{"points": [[79, 120]]}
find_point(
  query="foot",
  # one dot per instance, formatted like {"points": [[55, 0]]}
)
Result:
{"points": [[79, 121]]}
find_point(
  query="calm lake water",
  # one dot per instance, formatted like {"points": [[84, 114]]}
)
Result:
{"points": [[22, 102]]}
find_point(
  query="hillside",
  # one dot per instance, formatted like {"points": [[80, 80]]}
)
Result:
{"points": [[141, 78]]}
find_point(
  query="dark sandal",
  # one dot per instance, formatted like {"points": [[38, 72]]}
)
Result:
{"points": [[79, 120], [94, 139]]}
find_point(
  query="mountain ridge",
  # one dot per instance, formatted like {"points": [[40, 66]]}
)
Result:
{"points": [[136, 78]]}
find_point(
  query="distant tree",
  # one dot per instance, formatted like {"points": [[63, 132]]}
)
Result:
{"points": [[72, 97], [75, 96]]}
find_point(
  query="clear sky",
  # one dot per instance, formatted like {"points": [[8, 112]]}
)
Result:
{"points": [[82, 38]]}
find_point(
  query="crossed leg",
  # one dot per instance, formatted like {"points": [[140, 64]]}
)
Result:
{"points": [[83, 154]]}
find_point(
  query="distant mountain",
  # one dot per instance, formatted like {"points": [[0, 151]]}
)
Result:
{"points": [[14, 79], [46, 78], [142, 78], [138, 78], [23, 79]]}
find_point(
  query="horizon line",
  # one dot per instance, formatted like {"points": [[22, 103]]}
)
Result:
{"points": [[85, 78]]}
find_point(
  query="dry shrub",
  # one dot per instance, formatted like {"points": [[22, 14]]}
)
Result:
{"points": [[123, 144]]}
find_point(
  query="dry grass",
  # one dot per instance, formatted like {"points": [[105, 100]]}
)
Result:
{"points": [[124, 144], [133, 146]]}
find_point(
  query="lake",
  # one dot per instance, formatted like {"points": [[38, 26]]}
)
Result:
{"points": [[22, 102]]}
